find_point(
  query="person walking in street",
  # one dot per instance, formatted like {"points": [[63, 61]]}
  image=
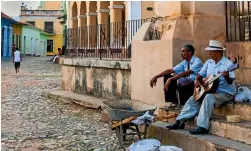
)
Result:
{"points": [[186, 72], [17, 58], [13, 49]]}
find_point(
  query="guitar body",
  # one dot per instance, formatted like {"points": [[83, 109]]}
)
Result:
{"points": [[200, 92], [211, 84]]}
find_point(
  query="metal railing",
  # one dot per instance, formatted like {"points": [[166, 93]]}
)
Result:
{"points": [[238, 15], [111, 40]]}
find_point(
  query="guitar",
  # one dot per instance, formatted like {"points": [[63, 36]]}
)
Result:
{"points": [[211, 84]]}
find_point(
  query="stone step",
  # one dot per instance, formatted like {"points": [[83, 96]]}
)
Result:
{"points": [[72, 97], [242, 109], [221, 127], [182, 139]]}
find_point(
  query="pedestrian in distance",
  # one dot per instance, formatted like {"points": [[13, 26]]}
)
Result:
{"points": [[17, 58]]}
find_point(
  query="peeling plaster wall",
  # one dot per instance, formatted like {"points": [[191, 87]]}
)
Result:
{"points": [[241, 51], [107, 79]]}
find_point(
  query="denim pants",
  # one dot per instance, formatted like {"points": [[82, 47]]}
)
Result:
{"points": [[192, 108]]}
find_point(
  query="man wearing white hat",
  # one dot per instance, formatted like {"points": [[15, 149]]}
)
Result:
{"points": [[224, 93]]}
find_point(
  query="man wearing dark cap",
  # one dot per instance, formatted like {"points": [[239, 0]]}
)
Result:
{"points": [[183, 80]]}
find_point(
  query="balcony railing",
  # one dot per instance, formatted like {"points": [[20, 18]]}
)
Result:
{"points": [[238, 20], [111, 40], [41, 13]]}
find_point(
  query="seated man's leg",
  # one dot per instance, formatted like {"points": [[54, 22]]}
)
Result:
{"points": [[185, 92], [170, 95], [207, 107], [190, 110]]}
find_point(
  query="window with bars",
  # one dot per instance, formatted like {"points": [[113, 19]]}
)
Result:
{"points": [[48, 27], [238, 20]]}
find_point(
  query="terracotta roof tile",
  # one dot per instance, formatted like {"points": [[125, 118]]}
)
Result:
{"points": [[3, 15]]}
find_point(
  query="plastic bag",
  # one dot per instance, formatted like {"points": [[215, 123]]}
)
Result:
{"points": [[169, 148], [243, 94], [145, 145], [146, 118]]}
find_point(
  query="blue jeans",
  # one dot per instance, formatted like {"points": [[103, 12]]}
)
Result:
{"points": [[204, 110]]}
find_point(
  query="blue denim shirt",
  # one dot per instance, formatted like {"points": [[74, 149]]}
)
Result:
{"points": [[195, 65], [210, 68]]}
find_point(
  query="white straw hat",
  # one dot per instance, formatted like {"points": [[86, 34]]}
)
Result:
{"points": [[215, 45]]}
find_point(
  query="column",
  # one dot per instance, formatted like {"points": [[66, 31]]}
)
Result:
{"points": [[103, 16], [5, 39], [116, 23], [9, 51], [74, 33], [83, 31], [92, 29]]}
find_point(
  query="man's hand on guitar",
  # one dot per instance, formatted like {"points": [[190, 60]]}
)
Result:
{"points": [[225, 74], [196, 84], [167, 85], [199, 83]]}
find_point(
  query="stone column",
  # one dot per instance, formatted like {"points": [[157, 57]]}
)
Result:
{"points": [[92, 29], [82, 20], [116, 18], [116, 13], [83, 31], [74, 32], [5, 39], [68, 6], [103, 15], [9, 51]]}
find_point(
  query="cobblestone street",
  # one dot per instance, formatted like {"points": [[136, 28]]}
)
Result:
{"points": [[31, 122]]}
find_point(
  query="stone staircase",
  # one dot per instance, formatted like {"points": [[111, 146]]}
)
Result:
{"points": [[224, 136]]}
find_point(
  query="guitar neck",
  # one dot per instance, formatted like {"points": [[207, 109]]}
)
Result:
{"points": [[213, 79], [232, 68]]}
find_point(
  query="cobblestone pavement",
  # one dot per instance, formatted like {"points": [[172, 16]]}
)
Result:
{"points": [[31, 122]]}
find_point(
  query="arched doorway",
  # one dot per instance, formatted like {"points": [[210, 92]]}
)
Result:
{"points": [[83, 23], [74, 30], [92, 24], [104, 26]]}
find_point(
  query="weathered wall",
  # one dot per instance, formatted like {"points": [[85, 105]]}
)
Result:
{"points": [[184, 23], [108, 79], [146, 13], [152, 57], [205, 23], [242, 52]]}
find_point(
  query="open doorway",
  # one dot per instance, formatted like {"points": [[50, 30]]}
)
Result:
{"points": [[49, 45], [24, 50]]}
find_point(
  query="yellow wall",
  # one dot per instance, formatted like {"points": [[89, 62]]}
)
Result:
{"points": [[57, 38], [17, 29], [39, 22], [52, 5], [144, 12], [57, 43]]}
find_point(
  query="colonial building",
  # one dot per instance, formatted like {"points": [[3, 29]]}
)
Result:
{"points": [[105, 26], [6, 37], [102, 30], [33, 40], [45, 18]]}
